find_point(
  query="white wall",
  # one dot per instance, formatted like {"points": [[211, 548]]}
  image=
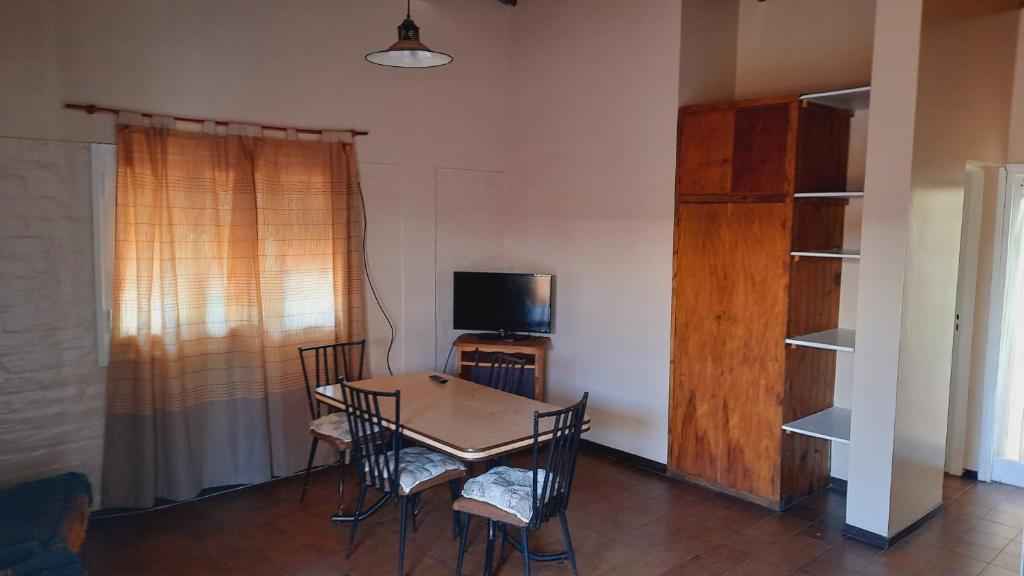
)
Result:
{"points": [[924, 130], [956, 122], [795, 46], [707, 51], [1015, 142], [880, 295], [1014, 153], [594, 115], [52, 389], [297, 63]]}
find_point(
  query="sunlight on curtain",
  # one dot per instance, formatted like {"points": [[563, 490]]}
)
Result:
{"points": [[230, 253]]}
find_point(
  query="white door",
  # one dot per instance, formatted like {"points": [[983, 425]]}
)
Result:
{"points": [[1006, 349], [967, 281]]}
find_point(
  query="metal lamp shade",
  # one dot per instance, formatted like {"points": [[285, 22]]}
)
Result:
{"points": [[409, 52]]}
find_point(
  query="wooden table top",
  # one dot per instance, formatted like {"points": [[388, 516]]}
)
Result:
{"points": [[463, 419]]}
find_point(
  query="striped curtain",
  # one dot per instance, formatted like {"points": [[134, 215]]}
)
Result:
{"points": [[230, 252]]}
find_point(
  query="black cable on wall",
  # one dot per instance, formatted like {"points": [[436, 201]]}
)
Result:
{"points": [[369, 279]]}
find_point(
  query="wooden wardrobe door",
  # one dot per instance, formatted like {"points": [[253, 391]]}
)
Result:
{"points": [[704, 156], [754, 353], [702, 273], [761, 152]]}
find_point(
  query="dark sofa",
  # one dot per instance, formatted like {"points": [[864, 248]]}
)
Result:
{"points": [[42, 526]]}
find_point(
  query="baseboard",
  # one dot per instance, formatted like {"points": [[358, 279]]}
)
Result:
{"points": [[638, 461], [866, 536], [837, 484], [882, 542], [714, 487]]}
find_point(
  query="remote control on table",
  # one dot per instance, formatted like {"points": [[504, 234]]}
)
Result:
{"points": [[438, 379]]}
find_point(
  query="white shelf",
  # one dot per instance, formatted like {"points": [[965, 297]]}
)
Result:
{"points": [[831, 424], [840, 253], [841, 339], [829, 195], [851, 98]]}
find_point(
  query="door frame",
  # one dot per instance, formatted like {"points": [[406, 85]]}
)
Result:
{"points": [[989, 418]]}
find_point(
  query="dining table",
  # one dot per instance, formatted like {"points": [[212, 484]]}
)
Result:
{"points": [[465, 420]]}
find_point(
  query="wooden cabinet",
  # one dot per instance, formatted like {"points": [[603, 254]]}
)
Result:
{"points": [[735, 153], [728, 366], [738, 292], [472, 350]]}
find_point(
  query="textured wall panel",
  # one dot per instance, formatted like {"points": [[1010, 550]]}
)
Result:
{"points": [[51, 386]]}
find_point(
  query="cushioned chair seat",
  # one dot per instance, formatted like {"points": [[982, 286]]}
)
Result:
{"points": [[334, 428], [419, 469], [485, 510], [507, 489]]}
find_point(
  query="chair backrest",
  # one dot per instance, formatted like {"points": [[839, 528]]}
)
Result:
{"points": [[372, 440], [326, 364], [551, 493], [505, 372]]}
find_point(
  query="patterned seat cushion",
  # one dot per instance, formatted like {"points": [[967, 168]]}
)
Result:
{"points": [[332, 425], [508, 489], [417, 465]]}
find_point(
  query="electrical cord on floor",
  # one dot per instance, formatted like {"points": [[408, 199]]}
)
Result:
{"points": [[217, 491], [369, 280]]}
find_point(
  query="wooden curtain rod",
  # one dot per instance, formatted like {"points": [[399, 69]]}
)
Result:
{"points": [[92, 109]]}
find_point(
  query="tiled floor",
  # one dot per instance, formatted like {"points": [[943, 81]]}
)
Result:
{"points": [[624, 521]]}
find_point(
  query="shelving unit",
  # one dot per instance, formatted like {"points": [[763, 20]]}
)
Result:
{"points": [[833, 422], [836, 253], [829, 424], [846, 195], [850, 98], [839, 339]]}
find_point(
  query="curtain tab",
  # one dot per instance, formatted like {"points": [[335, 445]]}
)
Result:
{"points": [[236, 129], [162, 121], [209, 127], [332, 136], [291, 134], [130, 118]]}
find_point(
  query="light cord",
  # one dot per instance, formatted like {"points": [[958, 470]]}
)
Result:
{"points": [[369, 279]]}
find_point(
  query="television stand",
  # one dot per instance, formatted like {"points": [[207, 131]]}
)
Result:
{"points": [[502, 337], [533, 349]]}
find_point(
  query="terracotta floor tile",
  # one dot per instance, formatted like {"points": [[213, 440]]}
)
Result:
{"points": [[1009, 560], [714, 562], [758, 567], [953, 565], [998, 571], [976, 551], [625, 522]]}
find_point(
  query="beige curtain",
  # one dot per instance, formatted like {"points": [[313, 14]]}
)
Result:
{"points": [[231, 251]]}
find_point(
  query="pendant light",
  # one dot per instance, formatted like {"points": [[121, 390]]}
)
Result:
{"points": [[409, 52]]}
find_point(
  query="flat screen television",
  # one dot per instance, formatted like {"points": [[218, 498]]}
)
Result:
{"points": [[502, 302]]}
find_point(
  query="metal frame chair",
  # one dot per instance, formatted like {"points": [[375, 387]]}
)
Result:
{"points": [[377, 445], [505, 372], [550, 496], [326, 371]]}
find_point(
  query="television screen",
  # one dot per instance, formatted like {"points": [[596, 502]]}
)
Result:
{"points": [[502, 302]]}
